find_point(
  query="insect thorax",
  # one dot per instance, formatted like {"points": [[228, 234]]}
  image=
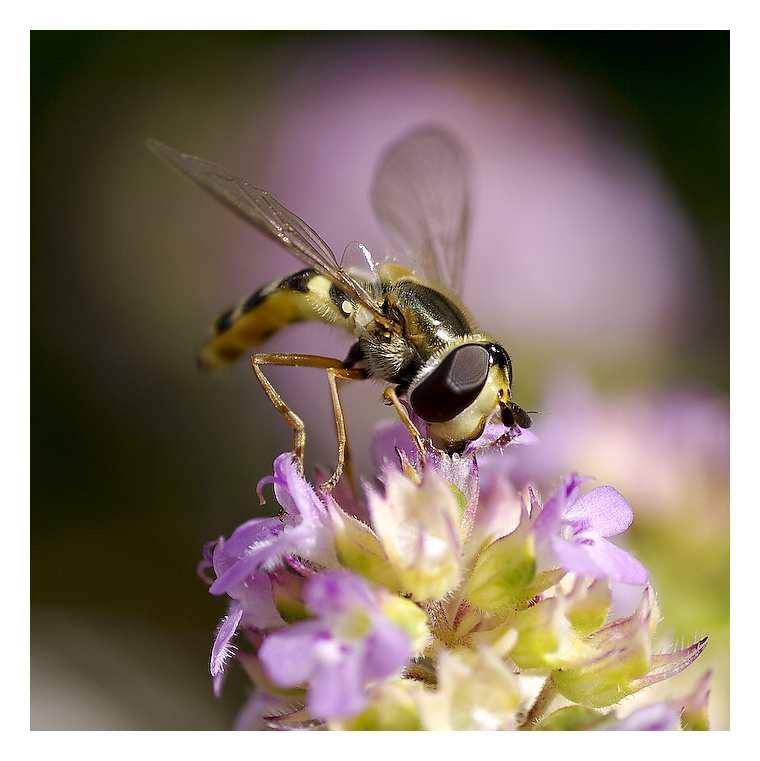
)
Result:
{"points": [[429, 320]]}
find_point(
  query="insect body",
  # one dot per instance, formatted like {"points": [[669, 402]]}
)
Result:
{"points": [[411, 331]]}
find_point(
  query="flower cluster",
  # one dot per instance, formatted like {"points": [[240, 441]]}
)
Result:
{"points": [[442, 599]]}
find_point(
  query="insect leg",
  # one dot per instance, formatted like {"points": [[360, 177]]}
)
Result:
{"points": [[335, 369], [340, 426], [391, 396], [299, 433]]}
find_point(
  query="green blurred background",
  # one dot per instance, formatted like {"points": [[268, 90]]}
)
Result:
{"points": [[138, 460]]}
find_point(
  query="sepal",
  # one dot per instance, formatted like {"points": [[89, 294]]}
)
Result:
{"points": [[503, 572]]}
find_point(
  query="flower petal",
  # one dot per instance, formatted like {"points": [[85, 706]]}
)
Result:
{"points": [[615, 563], [385, 651], [548, 520], [251, 546], [598, 558], [289, 655], [222, 648], [649, 718], [337, 689], [390, 438], [602, 509]]}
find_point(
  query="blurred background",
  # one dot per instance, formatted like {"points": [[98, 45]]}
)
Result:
{"points": [[598, 256]]}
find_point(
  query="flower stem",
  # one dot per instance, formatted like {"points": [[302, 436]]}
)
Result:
{"points": [[540, 704]]}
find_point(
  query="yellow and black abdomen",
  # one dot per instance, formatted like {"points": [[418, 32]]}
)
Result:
{"points": [[305, 295]]}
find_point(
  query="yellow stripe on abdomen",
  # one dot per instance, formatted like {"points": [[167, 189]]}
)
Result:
{"points": [[304, 295]]}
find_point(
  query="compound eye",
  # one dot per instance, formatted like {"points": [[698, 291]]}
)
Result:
{"points": [[453, 385]]}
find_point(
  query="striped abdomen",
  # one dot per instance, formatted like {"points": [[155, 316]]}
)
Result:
{"points": [[304, 295]]}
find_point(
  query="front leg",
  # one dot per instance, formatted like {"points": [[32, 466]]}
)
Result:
{"points": [[391, 396]]}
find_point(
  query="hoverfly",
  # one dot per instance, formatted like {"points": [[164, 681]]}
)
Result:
{"points": [[411, 330]]}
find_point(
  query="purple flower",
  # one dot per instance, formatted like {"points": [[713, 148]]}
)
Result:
{"points": [[302, 530], [656, 717], [348, 645], [252, 606], [391, 441], [570, 531], [334, 609], [308, 533], [242, 562], [264, 711]]}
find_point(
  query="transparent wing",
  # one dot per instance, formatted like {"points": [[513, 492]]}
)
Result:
{"points": [[420, 196], [271, 217], [356, 256]]}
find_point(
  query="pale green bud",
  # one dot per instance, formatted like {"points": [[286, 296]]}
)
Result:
{"points": [[418, 527], [589, 606], [393, 707], [545, 638], [287, 593], [502, 572], [694, 715], [573, 718], [410, 618], [623, 655], [359, 549], [476, 691]]}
